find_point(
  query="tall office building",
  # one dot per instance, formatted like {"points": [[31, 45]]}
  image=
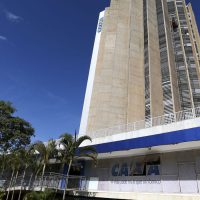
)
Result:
{"points": [[145, 63], [142, 103]]}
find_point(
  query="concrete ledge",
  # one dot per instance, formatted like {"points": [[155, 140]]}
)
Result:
{"points": [[136, 196]]}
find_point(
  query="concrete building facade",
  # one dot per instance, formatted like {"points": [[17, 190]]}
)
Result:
{"points": [[142, 103], [148, 162], [145, 63]]}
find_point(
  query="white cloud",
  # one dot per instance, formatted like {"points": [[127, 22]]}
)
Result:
{"points": [[3, 38], [56, 97], [12, 17]]}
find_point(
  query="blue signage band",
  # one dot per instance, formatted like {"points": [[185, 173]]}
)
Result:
{"points": [[175, 137]]}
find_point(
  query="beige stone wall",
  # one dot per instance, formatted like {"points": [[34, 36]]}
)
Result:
{"points": [[109, 98], [118, 95], [101, 95], [156, 94], [118, 92], [118, 101], [136, 98]]}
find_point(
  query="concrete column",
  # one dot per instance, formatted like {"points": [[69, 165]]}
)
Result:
{"points": [[99, 114], [118, 101], [136, 96], [156, 95]]}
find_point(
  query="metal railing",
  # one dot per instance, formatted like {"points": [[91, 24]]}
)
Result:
{"points": [[48, 181], [148, 123]]}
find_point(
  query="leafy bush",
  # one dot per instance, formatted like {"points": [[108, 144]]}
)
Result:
{"points": [[46, 195], [2, 194]]}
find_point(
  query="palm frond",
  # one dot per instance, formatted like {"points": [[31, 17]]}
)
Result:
{"points": [[70, 151], [45, 152], [52, 150], [82, 139], [15, 160], [87, 149], [92, 156], [66, 136], [39, 147], [66, 139]]}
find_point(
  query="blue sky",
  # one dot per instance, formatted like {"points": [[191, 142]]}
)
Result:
{"points": [[45, 52]]}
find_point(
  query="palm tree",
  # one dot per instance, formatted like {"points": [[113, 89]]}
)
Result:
{"points": [[15, 162], [28, 160], [11, 178], [70, 151], [36, 167], [3, 162], [46, 152]]}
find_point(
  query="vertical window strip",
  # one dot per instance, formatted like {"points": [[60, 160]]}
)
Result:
{"points": [[183, 85], [194, 81], [146, 64]]}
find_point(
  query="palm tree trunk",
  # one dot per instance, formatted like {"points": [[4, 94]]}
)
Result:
{"points": [[10, 184], [3, 168], [62, 167], [36, 175], [29, 183], [3, 165], [66, 183], [20, 191], [14, 185], [2, 171], [44, 167]]}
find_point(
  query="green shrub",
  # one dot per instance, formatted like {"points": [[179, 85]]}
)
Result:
{"points": [[2, 194], [46, 195]]}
